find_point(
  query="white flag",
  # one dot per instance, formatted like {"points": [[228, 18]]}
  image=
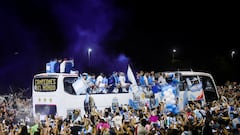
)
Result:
{"points": [[80, 86], [130, 76]]}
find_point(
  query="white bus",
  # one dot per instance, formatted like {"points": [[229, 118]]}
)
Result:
{"points": [[53, 93]]}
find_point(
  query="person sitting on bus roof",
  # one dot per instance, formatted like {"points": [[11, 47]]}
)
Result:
{"points": [[85, 76], [151, 79], [145, 79], [101, 84], [105, 82], [88, 80], [98, 81], [141, 79], [170, 77], [113, 83], [91, 82], [123, 84], [162, 79]]}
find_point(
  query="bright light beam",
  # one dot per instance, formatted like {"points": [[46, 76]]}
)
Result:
{"points": [[233, 53], [89, 57]]}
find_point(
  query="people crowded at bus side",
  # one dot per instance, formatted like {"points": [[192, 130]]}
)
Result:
{"points": [[118, 82], [218, 117]]}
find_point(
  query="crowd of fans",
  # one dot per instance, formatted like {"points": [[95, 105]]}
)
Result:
{"points": [[219, 117]]}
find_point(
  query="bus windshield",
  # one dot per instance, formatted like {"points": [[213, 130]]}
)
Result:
{"points": [[206, 83]]}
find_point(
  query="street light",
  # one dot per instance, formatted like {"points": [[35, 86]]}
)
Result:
{"points": [[232, 53], [173, 54], [89, 57]]}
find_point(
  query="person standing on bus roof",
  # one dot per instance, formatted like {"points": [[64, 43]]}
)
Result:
{"points": [[57, 65], [69, 65], [142, 81], [100, 83], [162, 79], [62, 65], [92, 81], [113, 83], [151, 78], [122, 79], [50, 66], [105, 82], [66, 65]]}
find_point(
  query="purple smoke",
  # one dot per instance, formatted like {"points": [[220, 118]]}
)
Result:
{"points": [[33, 33], [87, 24]]}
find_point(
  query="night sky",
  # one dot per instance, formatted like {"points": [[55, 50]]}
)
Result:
{"points": [[119, 32]]}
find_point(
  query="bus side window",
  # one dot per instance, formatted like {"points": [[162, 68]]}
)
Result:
{"points": [[185, 86], [182, 85], [68, 86], [69, 90]]}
